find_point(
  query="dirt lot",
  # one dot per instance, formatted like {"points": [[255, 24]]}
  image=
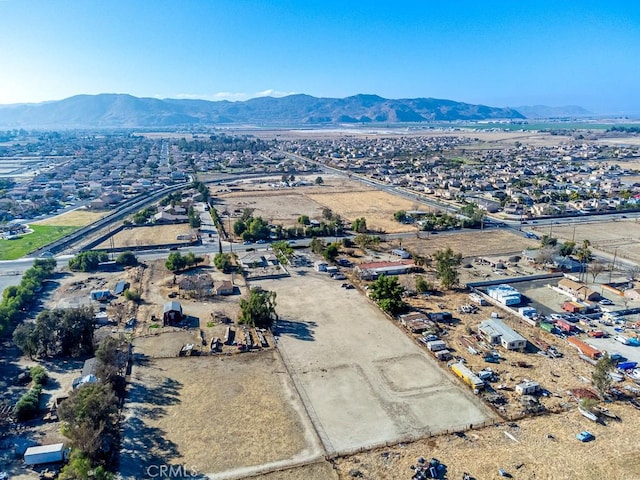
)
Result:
{"points": [[228, 416], [74, 218], [348, 198], [376, 206], [153, 235], [357, 371], [468, 243], [621, 235]]}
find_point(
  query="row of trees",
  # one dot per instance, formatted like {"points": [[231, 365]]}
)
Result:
{"points": [[90, 415], [177, 262], [66, 333], [16, 298], [89, 261]]}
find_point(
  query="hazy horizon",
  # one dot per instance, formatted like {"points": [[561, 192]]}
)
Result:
{"points": [[496, 53]]}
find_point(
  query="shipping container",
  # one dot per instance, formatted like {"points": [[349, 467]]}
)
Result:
{"points": [[44, 454], [565, 326], [547, 327], [585, 349]]}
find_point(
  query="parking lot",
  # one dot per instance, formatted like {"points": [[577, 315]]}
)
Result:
{"points": [[363, 381]]}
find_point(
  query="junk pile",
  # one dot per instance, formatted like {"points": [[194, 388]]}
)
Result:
{"points": [[431, 469]]}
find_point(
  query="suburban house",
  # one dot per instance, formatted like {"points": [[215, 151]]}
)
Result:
{"points": [[255, 259], [498, 333], [578, 290], [172, 313], [223, 287]]}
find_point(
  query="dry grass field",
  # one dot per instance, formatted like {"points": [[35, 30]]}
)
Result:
{"points": [[152, 235], [74, 218], [214, 414], [543, 448], [376, 206], [621, 236], [469, 243], [348, 198]]}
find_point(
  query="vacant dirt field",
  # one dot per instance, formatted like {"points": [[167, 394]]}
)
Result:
{"points": [[278, 207], [74, 218], [543, 448], [468, 243], [376, 206], [228, 416], [152, 235], [363, 381], [348, 198], [622, 236]]}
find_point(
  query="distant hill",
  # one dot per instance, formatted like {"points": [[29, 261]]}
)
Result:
{"points": [[542, 111], [123, 111]]}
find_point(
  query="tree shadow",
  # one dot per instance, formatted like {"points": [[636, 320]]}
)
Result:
{"points": [[297, 329], [144, 449]]}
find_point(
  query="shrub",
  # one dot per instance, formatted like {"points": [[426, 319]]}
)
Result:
{"points": [[27, 407], [39, 375]]}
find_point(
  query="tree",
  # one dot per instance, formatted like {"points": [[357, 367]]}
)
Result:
{"points": [[600, 376], [283, 251], [422, 286], [327, 213], [319, 181], [175, 262], [304, 220], [387, 293], [127, 259], [316, 245], [547, 241], [259, 310], [90, 418], [80, 468], [447, 264], [633, 272], [87, 261], [331, 252], [596, 269], [400, 216], [359, 225], [567, 248], [545, 255], [133, 296], [222, 261], [25, 338]]}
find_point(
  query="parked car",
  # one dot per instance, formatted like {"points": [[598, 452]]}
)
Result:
{"points": [[261, 241], [605, 301]]}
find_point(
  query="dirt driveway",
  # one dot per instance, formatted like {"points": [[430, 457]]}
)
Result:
{"points": [[363, 381]]}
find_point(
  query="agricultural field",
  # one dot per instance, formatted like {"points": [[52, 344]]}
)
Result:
{"points": [[42, 235]]}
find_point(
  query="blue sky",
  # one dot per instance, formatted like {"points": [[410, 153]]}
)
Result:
{"points": [[505, 53]]}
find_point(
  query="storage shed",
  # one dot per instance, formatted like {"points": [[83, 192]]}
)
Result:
{"points": [[172, 313]]}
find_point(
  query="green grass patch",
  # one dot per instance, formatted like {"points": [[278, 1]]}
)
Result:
{"points": [[42, 235]]}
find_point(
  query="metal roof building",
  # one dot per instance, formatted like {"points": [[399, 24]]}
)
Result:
{"points": [[497, 332]]}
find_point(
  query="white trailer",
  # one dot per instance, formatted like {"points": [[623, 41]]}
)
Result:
{"points": [[45, 454]]}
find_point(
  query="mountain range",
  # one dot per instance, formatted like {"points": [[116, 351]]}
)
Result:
{"points": [[127, 111]]}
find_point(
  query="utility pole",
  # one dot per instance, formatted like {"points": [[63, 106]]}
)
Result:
{"points": [[613, 263]]}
